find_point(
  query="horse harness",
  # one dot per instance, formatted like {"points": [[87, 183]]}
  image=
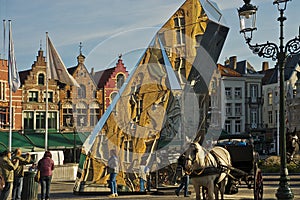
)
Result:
{"points": [[206, 171]]}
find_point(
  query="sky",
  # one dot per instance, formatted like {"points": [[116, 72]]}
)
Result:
{"points": [[108, 28]]}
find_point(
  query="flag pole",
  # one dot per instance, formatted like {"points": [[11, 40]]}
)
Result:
{"points": [[10, 89], [47, 80], [4, 42]]}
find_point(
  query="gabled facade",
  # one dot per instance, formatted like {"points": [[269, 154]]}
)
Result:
{"points": [[109, 82], [80, 107], [34, 88], [4, 101]]}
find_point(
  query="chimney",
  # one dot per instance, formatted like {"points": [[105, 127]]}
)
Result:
{"points": [[92, 71], [232, 62], [265, 66]]}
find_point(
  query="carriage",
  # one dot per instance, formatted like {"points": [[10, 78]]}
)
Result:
{"points": [[244, 170]]}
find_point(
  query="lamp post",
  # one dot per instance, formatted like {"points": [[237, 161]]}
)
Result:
{"points": [[247, 16]]}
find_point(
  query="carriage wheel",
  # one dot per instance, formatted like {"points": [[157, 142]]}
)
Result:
{"points": [[258, 185], [204, 193]]}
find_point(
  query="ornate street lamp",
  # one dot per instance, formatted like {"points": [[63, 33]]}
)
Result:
{"points": [[247, 15]]}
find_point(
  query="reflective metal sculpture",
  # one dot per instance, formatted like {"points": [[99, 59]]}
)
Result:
{"points": [[165, 99]]}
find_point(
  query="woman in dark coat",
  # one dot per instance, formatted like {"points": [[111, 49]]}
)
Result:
{"points": [[46, 166]]}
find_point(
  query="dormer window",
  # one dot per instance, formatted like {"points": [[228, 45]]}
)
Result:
{"points": [[41, 79], [120, 80]]}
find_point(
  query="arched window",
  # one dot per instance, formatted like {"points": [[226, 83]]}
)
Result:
{"points": [[94, 113], [112, 96], [120, 80], [81, 110], [82, 91], [41, 79], [68, 119]]}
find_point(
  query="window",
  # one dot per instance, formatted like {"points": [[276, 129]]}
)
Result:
{"points": [[41, 79], [95, 94], [270, 117], [4, 118], [180, 67], [120, 80], [238, 109], [253, 93], [228, 92], [179, 23], [228, 108], [270, 98], [28, 120], [179, 63], [94, 114], [253, 118], [50, 96], [68, 120], [81, 110], [112, 96], [68, 95], [2, 91], [237, 126], [52, 120], [228, 126], [33, 96], [40, 120], [81, 92], [238, 93]]}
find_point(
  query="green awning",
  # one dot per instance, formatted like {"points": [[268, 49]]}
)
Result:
{"points": [[33, 141], [18, 141], [55, 140]]}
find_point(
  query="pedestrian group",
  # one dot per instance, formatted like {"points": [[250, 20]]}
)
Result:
{"points": [[12, 173]]}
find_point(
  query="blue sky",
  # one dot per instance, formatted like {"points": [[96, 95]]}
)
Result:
{"points": [[108, 28]]}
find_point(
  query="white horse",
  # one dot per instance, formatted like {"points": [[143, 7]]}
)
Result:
{"points": [[208, 169]]}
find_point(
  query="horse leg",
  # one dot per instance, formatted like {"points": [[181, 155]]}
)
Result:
{"points": [[197, 191], [216, 190], [211, 189], [222, 187]]}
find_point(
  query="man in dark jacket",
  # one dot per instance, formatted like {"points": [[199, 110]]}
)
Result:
{"points": [[19, 173], [184, 181]]}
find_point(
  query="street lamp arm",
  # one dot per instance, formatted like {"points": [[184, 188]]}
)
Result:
{"points": [[293, 46], [267, 50]]}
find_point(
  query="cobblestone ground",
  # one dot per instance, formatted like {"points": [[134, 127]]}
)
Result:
{"points": [[63, 190]]}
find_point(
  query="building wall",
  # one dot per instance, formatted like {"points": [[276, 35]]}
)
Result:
{"points": [[33, 98], [232, 116], [5, 99], [86, 101], [111, 86]]}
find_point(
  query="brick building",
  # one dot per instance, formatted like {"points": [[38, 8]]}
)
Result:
{"points": [[4, 101]]}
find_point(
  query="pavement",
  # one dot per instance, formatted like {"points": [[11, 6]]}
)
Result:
{"points": [[64, 190]]}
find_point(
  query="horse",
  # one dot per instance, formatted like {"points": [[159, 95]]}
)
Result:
{"points": [[292, 145], [208, 169]]}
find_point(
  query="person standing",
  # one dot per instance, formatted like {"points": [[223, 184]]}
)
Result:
{"points": [[19, 173], [113, 164], [142, 175], [7, 167], [184, 182], [46, 167]]}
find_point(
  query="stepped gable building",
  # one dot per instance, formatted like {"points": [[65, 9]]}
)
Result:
{"points": [[4, 101], [34, 98], [109, 81], [80, 107]]}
